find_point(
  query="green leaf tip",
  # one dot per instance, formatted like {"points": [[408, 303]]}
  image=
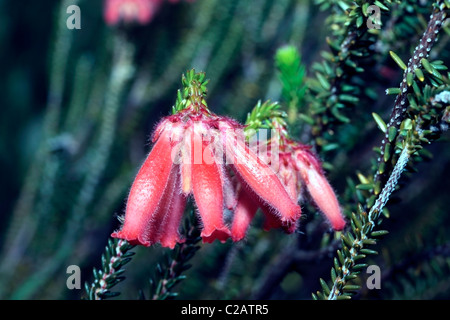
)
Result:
{"points": [[397, 60], [380, 122]]}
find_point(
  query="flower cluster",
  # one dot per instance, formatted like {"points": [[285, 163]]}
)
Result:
{"points": [[192, 153], [199, 155]]}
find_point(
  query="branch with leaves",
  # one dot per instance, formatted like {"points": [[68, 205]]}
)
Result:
{"points": [[423, 124], [338, 86], [170, 272], [413, 72], [117, 254]]}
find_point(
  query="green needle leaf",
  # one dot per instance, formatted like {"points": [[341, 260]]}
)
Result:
{"points": [[397, 60]]}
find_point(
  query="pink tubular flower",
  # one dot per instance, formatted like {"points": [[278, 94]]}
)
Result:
{"points": [[318, 186], [261, 179], [188, 159], [307, 171], [129, 11], [244, 212], [140, 11], [297, 167]]}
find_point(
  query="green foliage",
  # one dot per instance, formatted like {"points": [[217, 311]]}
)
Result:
{"points": [[193, 92], [407, 137], [425, 280], [117, 254], [292, 78], [339, 86], [263, 115]]}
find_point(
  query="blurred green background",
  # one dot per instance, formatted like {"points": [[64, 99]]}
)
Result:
{"points": [[77, 110]]}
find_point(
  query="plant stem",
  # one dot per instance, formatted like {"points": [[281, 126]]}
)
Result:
{"points": [[116, 255], [401, 102]]}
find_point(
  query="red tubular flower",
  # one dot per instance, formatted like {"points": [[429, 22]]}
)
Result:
{"points": [[246, 208], [170, 237], [248, 204], [147, 199], [289, 176], [244, 212], [298, 167], [284, 188], [207, 187], [157, 198], [260, 178], [318, 187]]}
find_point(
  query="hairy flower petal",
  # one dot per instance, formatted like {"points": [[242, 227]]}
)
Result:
{"points": [[325, 198], [207, 189], [319, 188], [186, 164], [243, 215], [171, 236], [260, 178], [146, 192], [156, 226], [288, 177]]}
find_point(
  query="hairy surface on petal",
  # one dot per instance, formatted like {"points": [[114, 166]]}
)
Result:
{"points": [[289, 177], [324, 197], [186, 163], [207, 189], [243, 215], [156, 226], [260, 178], [170, 235], [306, 158], [160, 127], [229, 193], [146, 192]]}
